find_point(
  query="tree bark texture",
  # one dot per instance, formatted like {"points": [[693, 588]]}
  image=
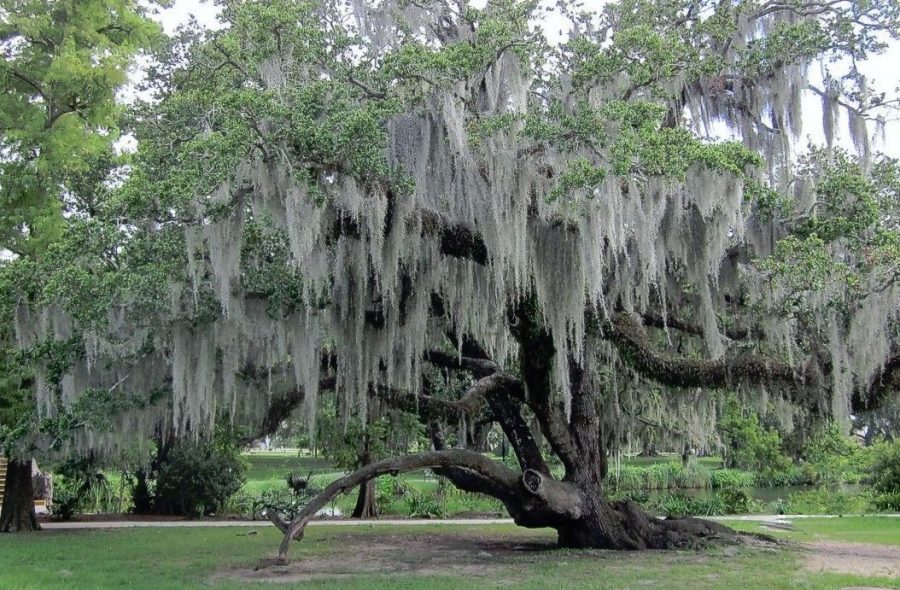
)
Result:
{"points": [[17, 514]]}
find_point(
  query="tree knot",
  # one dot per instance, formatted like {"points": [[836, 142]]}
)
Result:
{"points": [[532, 480]]}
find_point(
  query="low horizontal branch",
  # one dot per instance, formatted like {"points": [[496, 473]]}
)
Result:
{"points": [[637, 350], [655, 320]]}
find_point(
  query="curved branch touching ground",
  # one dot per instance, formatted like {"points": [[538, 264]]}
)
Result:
{"points": [[470, 460], [534, 499], [469, 481]]}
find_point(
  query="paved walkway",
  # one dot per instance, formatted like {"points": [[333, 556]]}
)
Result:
{"points": [[125, 524]]}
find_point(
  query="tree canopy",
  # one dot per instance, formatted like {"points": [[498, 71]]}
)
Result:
{"points": [[63, 63], [332, 195]]}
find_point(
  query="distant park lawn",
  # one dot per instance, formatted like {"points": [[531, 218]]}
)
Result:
{"points": [[272, 466], [382, 556], [851, 529], [268, 469]]}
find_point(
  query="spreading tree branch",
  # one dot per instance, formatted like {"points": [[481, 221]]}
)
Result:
{"points": [[637, 350]]}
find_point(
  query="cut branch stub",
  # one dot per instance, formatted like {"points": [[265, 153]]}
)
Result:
{"points": [[558, 497], [531, 479]]}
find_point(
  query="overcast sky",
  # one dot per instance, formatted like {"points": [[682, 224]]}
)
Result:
{"points": [[882, 71]]}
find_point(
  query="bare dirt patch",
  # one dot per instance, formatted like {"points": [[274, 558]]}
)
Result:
{"points": [[853, 558], [400, 555], [467, 554]]}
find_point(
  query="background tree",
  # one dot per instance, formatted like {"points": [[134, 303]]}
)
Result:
{"points": [[362, 440], [63, 64], [331, 197], [17, 508]]}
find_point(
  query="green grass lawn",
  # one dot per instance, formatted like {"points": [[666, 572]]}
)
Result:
{"points": [[879, 530], [365, 557], [266, 469], [267, 465]]}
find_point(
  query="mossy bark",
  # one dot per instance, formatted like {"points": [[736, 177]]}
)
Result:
{"points": [[17, 514]]}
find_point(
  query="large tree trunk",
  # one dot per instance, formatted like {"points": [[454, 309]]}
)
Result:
{"points": [[578, 441], [649, 450], [623, 525], [479, 439], [17, 514], [366, 504]]}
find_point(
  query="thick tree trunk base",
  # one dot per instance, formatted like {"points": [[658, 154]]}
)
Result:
{"points": [[17, 514], [624, 526], [366, 504]]}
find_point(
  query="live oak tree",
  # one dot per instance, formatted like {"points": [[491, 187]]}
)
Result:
{"points": [[366, 198], [63, 64]]}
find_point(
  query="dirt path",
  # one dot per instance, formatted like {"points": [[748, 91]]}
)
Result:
{"points": [[853, 558]]}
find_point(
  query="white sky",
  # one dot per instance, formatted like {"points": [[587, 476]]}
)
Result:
{"points": [[181, 10], [882, 71]]}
